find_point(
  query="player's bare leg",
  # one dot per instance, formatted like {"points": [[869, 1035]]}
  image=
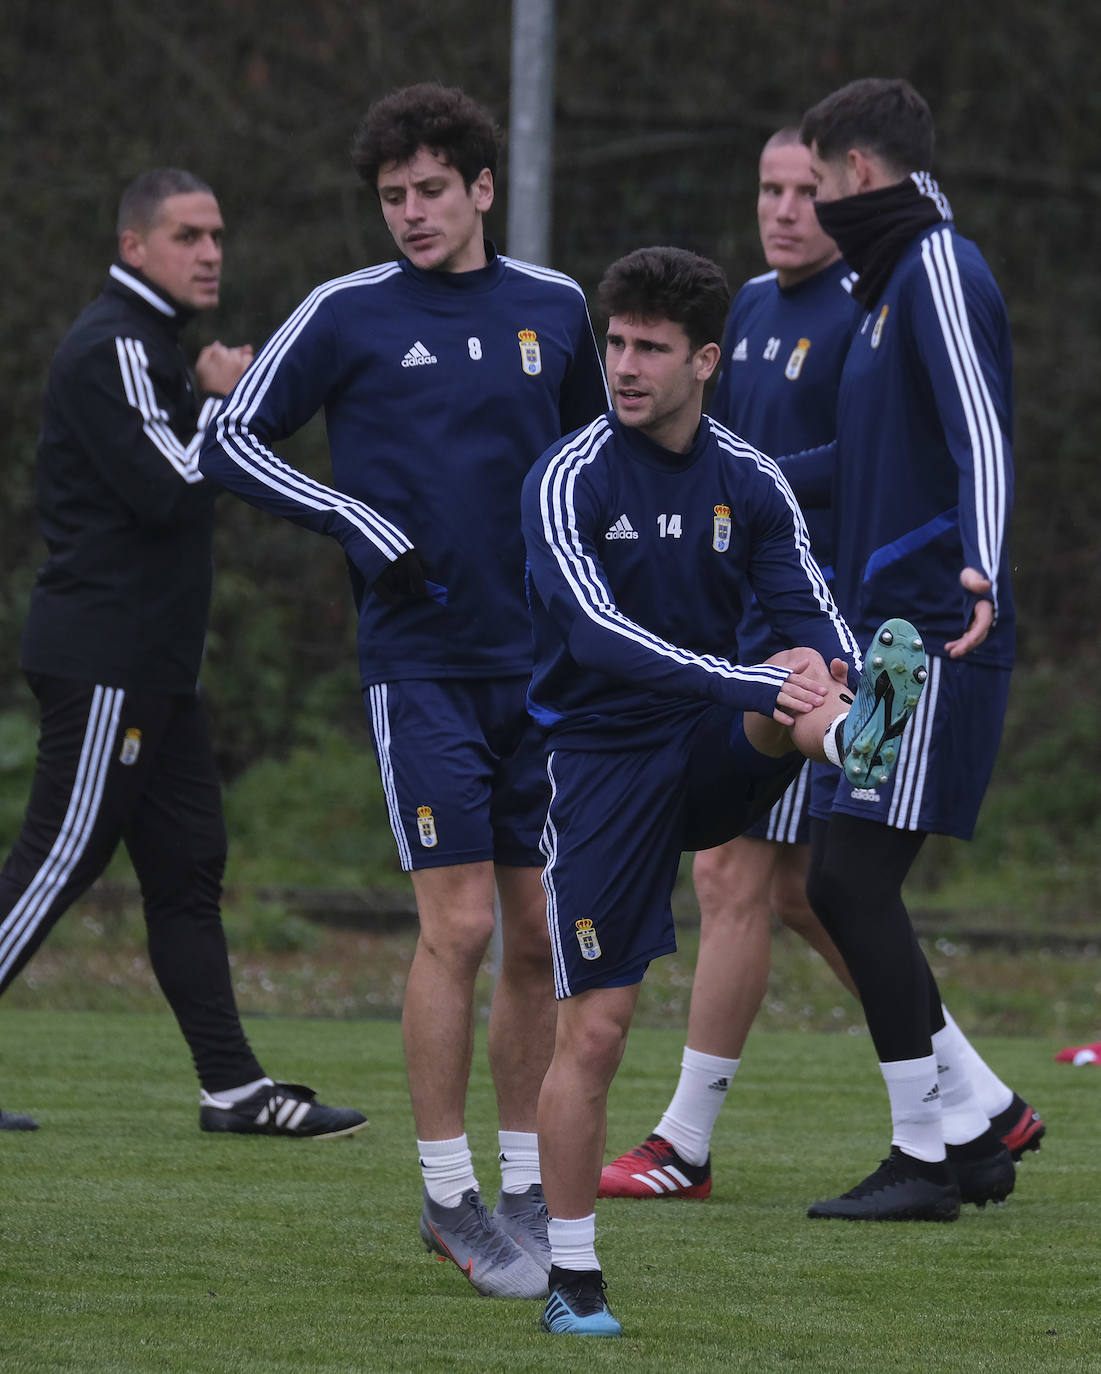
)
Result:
{"points": [[788, 899], [573, 1117], [809, 702], [732, 882], [455, 907], [573, 1104], [521, 1040], [523, 1012]]}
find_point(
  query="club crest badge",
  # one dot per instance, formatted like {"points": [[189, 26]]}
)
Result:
{"points": [[877, 332], [586, 938], [131, 747], [426, 827], [797, 359], [721, 541], [529, 352]]}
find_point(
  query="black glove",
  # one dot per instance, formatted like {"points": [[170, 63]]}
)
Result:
{"points": [[401, 580]]}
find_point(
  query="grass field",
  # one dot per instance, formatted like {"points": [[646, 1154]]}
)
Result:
{"points": [[96, 960], [131, 1242]]}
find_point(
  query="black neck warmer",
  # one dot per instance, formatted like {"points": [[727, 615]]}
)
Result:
{"points": [[872, 229]]}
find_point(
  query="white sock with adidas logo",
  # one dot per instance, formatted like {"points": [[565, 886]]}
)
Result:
{"points": [[701, 1091], [915, 1107], [992, 1094]]}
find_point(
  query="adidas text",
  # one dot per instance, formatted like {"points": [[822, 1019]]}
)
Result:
{"points": [[418, 356], [622, 529]]}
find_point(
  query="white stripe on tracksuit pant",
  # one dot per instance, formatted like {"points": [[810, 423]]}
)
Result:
{"points": [[137, 767]]}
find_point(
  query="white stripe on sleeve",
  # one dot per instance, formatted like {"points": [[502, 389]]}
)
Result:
{"points": [[138, 387]]}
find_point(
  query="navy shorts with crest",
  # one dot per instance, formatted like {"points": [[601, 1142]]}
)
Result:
{"points": [[617, 826], [463, 770]]}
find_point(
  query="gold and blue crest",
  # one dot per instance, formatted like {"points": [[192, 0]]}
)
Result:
{"points": [[426, 827], [797, 359], [530, 356], [721, 540], [586, 938], [131, 746]]}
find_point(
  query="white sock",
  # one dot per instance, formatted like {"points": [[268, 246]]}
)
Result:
{"points": [[447, 1169], [226, 1096], [993, 1095], [915, 1107], [701, 1091], [573, 1243], [519, 1159], [831, 740], [963, 1118]]}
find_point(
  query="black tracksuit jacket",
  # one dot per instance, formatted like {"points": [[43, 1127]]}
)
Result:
{"points": [[123, 597]]}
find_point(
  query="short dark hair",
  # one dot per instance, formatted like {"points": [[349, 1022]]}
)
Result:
{"points": [[878, 115], [783, 138], [669, 284], [442, 118], [143, 198]]}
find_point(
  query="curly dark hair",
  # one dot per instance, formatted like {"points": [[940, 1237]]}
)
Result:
{"points": [[669, 284], [878, 115], [443, 119]]}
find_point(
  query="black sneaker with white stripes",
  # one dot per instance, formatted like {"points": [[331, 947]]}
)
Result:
{"points": [[288, 1109]]}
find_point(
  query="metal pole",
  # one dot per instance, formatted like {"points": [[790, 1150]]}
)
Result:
{"points": [[530, 172], [531, 130]]}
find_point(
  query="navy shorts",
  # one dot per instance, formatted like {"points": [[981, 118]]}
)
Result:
{"points": [[945, 759], [617, 826], [788, 820], [463, 770]]}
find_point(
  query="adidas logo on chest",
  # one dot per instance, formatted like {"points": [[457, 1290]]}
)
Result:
{"points": [[622, 529], [419, 356]]}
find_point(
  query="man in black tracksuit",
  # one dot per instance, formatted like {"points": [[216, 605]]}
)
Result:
{"points": [[114, 639]]}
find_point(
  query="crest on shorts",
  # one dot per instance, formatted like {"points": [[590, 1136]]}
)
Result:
{"points": [[586, 938], [721, 539], [131, 746], [529, 352], [877, 332], [426, 827], [797, 359]]}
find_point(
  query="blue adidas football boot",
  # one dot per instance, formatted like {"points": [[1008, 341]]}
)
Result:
{"points": [[577, 1306]]}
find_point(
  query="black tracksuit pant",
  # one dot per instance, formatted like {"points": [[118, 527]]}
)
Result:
{"points": [[857, 869], [136, 767]]}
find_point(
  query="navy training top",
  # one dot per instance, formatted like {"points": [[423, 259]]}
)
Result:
{"points": [[439, 391], [638, 563]]}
